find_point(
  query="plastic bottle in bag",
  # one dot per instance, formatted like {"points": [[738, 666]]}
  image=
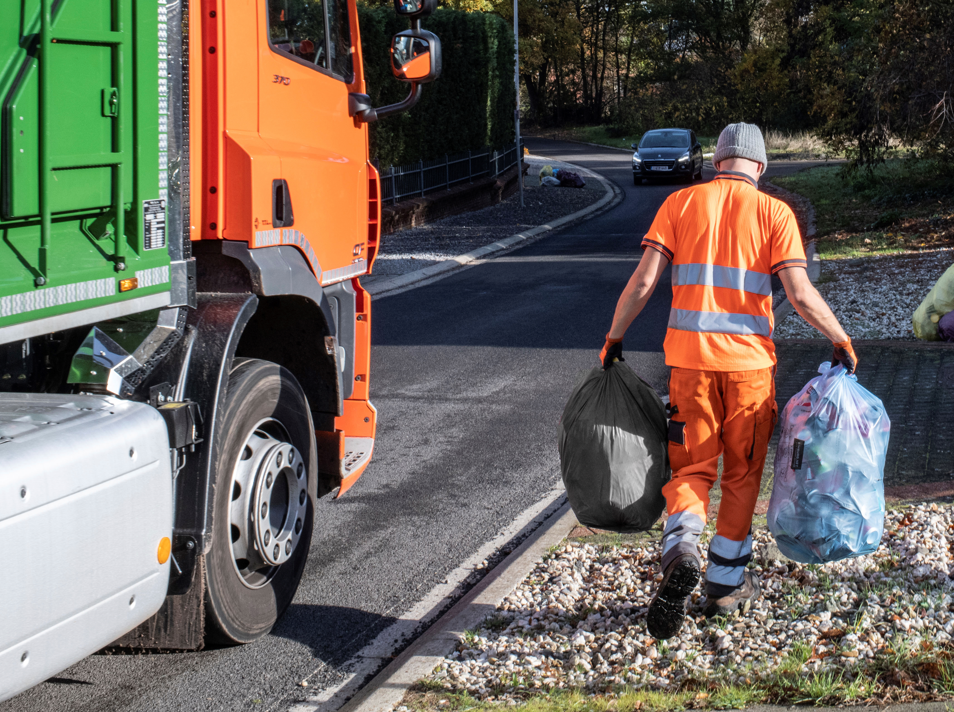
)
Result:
{"points": [[613, 451], [828, 495]]}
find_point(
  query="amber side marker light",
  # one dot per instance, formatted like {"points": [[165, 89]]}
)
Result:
{"points": [[127, 285], [165, 548]]}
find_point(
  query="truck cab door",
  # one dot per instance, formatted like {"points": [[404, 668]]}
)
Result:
{"points": [[307, 70]]}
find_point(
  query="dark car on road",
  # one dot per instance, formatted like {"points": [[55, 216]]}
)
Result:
{"points": [[667, 153]]}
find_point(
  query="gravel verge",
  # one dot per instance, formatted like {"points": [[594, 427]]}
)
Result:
{"points": [[420, 247], [873, 297], [881, 624]]}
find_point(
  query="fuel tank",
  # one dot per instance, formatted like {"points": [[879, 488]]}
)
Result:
{"points": [[85, 521]]}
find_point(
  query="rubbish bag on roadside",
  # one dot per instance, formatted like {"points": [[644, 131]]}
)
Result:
{"points": [[938, 302], [550, 181], [613, 451], [828, 496], [569, 179], [545, 172]]}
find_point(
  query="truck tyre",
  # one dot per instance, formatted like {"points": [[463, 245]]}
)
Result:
{"points": [[265, 470]]}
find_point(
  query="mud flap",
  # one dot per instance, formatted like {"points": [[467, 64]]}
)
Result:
{"points": [[179, 624]]}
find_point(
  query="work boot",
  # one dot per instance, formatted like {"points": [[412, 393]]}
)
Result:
{"points": [[738, 599], [668, 609]]}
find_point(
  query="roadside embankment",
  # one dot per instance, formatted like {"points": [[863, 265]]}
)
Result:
{"points": [[411, 256], [480, 193]]}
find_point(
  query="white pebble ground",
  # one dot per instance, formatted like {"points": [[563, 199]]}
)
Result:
{"points": [[874, 297], [578, 620]]}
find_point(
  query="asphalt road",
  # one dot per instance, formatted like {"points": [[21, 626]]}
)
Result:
{"points": [[469, 375]]}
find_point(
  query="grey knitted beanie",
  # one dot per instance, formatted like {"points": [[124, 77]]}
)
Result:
{"points": [[741, 141]]}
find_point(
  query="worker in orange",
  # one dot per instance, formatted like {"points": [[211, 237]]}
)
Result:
{"points": [[725, 240]]}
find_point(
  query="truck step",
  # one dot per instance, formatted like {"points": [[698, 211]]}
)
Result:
{"points": [[357, 454]]}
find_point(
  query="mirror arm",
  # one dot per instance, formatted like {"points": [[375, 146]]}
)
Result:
{"points": [[359, 105]]}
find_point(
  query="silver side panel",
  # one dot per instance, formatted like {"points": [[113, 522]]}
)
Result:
{"points": [[85, 498]]}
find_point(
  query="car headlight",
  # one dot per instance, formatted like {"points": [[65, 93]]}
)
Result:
{"points": [[636, 159], [684, 158]]}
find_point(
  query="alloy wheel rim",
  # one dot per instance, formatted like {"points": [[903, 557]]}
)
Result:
{"points": [[268, 501]]}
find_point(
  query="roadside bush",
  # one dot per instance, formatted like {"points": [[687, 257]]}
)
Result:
{"points": [[469, 107]]}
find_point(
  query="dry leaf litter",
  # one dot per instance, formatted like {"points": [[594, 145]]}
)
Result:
{"points": [[873, 297], [578, 620]]}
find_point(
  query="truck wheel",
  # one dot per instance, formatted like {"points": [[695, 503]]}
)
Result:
{"points": [[265, 469]]}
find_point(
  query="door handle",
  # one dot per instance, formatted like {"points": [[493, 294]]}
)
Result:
{"points": [[111, 102], [282, 215]]}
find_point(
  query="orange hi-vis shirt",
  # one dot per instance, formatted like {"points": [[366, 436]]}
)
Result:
{"points": [[725, 240]]}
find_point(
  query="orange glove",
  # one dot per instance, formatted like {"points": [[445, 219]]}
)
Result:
{"points": [[845, 355], [612, 351]]}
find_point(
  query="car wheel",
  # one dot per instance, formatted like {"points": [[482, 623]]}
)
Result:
{"points": [[266, 467], [637, 180]]}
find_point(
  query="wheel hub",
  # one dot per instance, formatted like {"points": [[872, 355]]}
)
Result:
{"points": [[269, 502], [275, 507]]}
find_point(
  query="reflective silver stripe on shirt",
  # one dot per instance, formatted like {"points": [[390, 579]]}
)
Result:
{"points": [[719, 276], [719, 323]]}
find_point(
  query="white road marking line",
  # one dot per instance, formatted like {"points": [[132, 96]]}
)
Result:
{"points": [[370, 658]]}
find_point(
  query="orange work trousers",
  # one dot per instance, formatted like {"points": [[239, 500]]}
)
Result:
{"points": [[713, 413]]}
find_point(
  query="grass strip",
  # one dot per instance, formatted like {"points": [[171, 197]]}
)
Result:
{"points": [[902, 206], [895, 676]]}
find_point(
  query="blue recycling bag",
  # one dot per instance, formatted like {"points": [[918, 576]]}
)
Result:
{"points": [[828, 496]]}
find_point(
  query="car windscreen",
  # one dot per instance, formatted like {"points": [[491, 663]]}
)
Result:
{"points": [[665, 139]]}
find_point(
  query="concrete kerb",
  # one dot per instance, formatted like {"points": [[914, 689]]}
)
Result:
{"points": [[388, 688], [399, 283]]}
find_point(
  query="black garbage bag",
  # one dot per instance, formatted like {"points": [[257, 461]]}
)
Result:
{"points": [[569, 179], [613, 451]]}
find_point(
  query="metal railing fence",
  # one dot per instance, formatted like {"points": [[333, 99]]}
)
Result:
{"points": [[423, 177]]}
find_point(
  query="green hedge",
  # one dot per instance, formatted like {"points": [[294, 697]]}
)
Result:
{"points": [[469, 107]]}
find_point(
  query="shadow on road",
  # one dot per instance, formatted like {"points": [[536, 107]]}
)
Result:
{"points": [[330, 631], [548, 297], [67, 681]]}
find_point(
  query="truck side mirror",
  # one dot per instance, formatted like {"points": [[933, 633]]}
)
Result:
{"points": [[415, 8], [416, 56]]}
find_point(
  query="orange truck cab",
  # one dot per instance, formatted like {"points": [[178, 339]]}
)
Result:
{"points": [[184, 338]]}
